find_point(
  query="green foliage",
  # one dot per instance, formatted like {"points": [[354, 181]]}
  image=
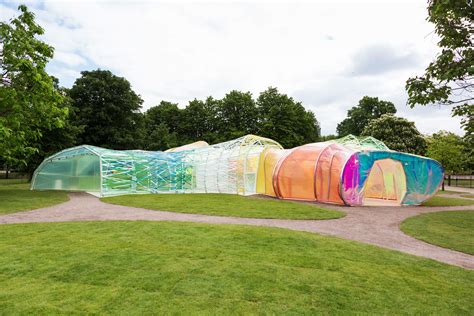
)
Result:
{"points": [[273, 115], [359, 116], [453, 229], [29, 100], [237, 115], [56, 138], [108, 110], [18, 197], [284, 120], [189, 268], [328, 137], [449, 79], [449, 150], [200, 121], [397, 133], [162, 123], [225, 205]]}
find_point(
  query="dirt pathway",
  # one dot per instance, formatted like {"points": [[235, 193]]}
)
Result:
{"points": [[373, 225]]}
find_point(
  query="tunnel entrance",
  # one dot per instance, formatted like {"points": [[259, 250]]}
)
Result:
{"points": [[386, 183]]}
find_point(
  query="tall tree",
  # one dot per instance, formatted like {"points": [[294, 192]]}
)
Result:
{"points": [[359, 116], [108, 109], [286, 121], [237, 115], [162, 125], [29, 101], [449, 79], [56, 138], [397, 133], [199, 120], [449, 150]]}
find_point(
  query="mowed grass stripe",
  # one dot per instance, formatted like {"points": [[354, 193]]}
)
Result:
{"points": [[226, 205]]}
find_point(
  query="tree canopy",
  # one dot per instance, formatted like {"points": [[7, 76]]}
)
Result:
{"points": [[449, 150], [108, 110], [29, 100], [285, 120], [397, 133], [449, 79], [369, 108], [272, 115]]}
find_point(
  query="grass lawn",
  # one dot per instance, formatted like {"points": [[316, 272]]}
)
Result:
{"points": [[454, 230], [225, 205], [469, 196], [189, 268], [15, 195], [447, 201], [448, 192]]}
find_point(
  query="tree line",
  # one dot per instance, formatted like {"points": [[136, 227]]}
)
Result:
{"points": [[108, 113]]}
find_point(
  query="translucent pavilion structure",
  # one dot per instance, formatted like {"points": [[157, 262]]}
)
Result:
{"points": [[229, 167], [351, 171], [348, 171]]}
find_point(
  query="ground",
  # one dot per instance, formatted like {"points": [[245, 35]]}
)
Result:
{"points": [[144, 266], [15, 196], [226, 205], [447, 201], [453, 230], [187, 268]]}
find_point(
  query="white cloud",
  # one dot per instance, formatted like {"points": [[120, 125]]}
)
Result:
{"points": [[69, 59], [179, 51]]}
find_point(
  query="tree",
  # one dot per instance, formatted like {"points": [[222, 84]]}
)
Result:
{"points": [[449, 79], [57, 138], [199, 120], [286, 121], [397, 133], [162, 125], [448, 149], [160, 138], [359, 116], [29, 101], [237, 115], [108, 109]]}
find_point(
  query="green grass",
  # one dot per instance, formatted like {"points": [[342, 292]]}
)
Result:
{"points": [[225, 205], [188, 268], [15, 196], [447, 201], [454, 230], [468, 196], [448, 192]]}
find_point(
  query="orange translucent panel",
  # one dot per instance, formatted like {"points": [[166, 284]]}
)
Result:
{"points": [[294, 177], [328, 173]]}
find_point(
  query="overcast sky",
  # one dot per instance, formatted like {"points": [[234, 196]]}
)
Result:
{"points": [[326, 54]]}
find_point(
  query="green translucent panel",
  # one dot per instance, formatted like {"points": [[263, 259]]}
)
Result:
{"points": [[78, 172], [361, 143]]}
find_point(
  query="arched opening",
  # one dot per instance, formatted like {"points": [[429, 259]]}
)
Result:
{"points": [[386, 183]]}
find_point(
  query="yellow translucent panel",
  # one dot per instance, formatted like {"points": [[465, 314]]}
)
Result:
{"points": [[268, 160], [386, 183], [261, 171]]}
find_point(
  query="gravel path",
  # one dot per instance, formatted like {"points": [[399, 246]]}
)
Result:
{"points": [[373, 225]]}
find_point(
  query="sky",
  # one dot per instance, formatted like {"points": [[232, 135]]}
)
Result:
{"points": [[326, 54]]}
